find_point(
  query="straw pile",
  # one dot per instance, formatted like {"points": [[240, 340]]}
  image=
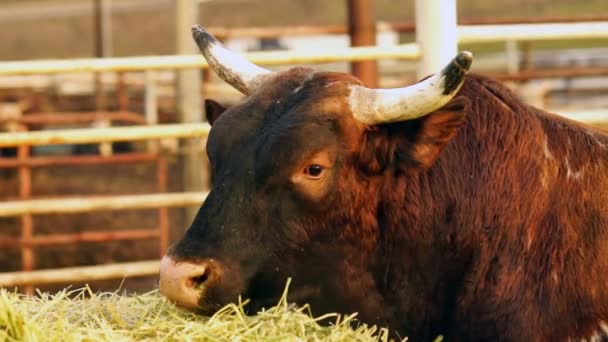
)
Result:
{"points": [[81, 315]]}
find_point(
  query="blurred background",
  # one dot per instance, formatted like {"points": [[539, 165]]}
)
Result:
{"points": [[553, 53]]}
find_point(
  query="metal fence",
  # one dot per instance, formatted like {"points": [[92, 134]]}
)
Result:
{"points": [[27, 207]]}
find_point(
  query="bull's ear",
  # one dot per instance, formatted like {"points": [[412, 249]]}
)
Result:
{"points": [[413, 144], [436, 130], [213, 110]]}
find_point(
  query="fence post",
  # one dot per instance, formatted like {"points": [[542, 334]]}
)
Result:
{"points": [[512, 54], [151, 106], [28, 259], [435, 34], [102, 39], [362, 31], [189, 102]]}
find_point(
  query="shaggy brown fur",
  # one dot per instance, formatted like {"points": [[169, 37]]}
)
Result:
{"points": [[517, 208], [485, 220]]}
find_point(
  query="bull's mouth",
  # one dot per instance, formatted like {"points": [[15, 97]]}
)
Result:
{"points": [[301, 295], [204, 287]]}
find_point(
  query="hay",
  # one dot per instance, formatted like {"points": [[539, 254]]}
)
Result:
{"points": [[81, 315]]}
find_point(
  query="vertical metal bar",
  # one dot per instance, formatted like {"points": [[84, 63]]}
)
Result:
{"points": [[106, 27], [105, 148], [97, 29], [163, 212], [435, 34], [362, 31], [100, 102], [526, 61], [189, 101], [122, 92], [151, 106], [102, 28], [98, 51], [27, 223], [512, 57]]}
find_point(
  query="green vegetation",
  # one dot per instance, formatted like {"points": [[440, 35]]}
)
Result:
{"points": [[81, 315]]}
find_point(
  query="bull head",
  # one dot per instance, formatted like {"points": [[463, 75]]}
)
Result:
{"points": [[288, 196]]}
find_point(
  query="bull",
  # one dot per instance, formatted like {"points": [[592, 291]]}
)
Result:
{"points": [[445, 207]]}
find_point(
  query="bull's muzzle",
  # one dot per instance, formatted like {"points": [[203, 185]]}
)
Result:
{"points": [[184, 282]]}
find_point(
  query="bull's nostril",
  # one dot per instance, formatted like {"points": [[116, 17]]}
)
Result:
{"points": [[200, 280], [184, 282]]}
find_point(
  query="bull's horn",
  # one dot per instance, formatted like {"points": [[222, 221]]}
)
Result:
{"points": [[377, 106], [229, 66]]}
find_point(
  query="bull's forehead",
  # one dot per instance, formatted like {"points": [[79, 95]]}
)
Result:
{"points": [[294, 97], [294, 113]]}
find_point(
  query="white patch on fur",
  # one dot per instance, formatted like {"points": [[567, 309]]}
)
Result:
{"points": [[599, 335], [529, 240], [550, 169], [309, 77], [572, 174], [596, 140], [548, 154], [297, 89]]}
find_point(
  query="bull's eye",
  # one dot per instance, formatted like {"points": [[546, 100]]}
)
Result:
{"points": [[314, 171]]}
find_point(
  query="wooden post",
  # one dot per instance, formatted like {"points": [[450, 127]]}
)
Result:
{"points": [[28, 260], [151, 106], [102, 31], [527, 62], [106, 28], [98, 52], [189, 101], [512, 55], [161, 161], [163, 212], [435, 34], [362, 31]]}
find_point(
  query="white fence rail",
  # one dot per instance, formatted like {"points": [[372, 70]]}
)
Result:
{"points": [[101, 135], [410, 51], [405, 51], [532, 32], [80, 274], [98, 203]]}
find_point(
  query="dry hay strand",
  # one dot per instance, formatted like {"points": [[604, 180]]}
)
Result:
{"points": [[82, 315]]}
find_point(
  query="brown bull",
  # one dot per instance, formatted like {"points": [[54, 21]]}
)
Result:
{"points": [[448, 207]]}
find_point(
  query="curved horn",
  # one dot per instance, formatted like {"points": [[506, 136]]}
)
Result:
{"points": [[377, 106], [229, 66]]}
